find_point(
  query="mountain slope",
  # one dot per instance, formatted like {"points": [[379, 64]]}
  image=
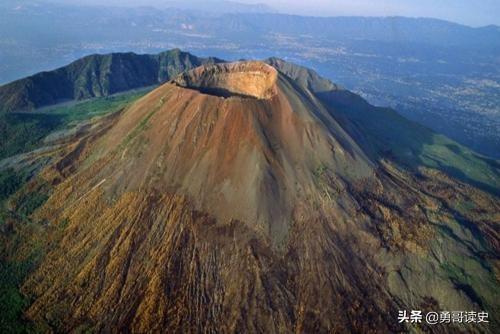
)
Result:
{"points": [[95, 76], [253, 197]]}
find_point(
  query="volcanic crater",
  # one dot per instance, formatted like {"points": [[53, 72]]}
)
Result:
{"points": [[249, 79]]}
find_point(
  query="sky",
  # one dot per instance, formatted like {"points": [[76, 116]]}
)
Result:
{"points": [[469, 12]]}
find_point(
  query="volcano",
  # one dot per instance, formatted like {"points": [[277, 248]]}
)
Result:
{"points": [[258, 197]]}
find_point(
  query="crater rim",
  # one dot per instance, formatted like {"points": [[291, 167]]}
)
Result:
{"points": [[243, 79]]}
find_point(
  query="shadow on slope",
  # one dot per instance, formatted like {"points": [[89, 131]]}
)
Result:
{"points": [[383, 133]]}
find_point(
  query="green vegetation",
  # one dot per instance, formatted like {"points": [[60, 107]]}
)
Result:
{"points": [[23, 132], [14, 266], [320, 171], [10, 182], [95, 107], [478, 286], [31, 201], [12, 302]]}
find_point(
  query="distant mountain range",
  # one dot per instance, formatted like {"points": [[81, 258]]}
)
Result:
{"points": [[216, 7], [395, 29]]}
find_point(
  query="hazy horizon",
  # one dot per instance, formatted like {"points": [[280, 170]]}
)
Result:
{"points": [[476, 14]]}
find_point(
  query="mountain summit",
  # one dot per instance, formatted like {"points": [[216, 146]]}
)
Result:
{"points": [[252, 197]]}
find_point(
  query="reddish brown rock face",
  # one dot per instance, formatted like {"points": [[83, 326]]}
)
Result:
{"points": [[232, 200], [247, 79]]}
